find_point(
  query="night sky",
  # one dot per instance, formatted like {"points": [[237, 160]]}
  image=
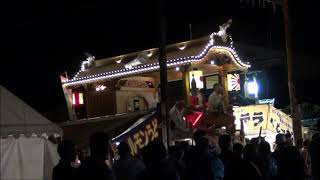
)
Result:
{"points": [[42, 39]]}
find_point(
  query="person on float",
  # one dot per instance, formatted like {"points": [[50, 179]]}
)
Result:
{"points": [[178, 123]]}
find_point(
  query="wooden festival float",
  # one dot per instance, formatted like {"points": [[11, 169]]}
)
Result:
{"points": [[122, 91]]}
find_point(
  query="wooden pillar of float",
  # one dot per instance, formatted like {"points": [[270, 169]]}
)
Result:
{"points": [[224, 83], [186, 86]]}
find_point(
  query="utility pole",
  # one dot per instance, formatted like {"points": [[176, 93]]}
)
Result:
{"points": [[163, 72], [295, 113]]}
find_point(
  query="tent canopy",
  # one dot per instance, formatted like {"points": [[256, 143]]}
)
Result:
{"points": [[17, 117]]}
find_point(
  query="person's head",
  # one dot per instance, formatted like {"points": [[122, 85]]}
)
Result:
{"points": [[281, 140], [202, 145], [180, 105], [198, 134], [99, 146], [155, 152], [67, 150], [306, 143], [250, 152], [225, 142], [238, 149], [123, 150], [289, 139], [216, 87]]}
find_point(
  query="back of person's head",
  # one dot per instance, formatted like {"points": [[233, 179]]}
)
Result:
{"points": [[99, 145], [280, 139], [123, 149], [264, 149], [225, 142], [66, 150], [306, 143], [238, 149], [202, 145], [216, 87], [198, 134], [157, 151], [250, 152], [288, 139]]}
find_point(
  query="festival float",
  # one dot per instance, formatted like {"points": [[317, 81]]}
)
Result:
{"points": [[120, 94]]}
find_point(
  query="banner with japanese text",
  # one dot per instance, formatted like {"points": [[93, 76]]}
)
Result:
{"points": [[251, 117], [266, 116], [140, 134], [279, 122]]}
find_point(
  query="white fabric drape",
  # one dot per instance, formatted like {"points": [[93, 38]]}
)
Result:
{"points": [[27, 158]]}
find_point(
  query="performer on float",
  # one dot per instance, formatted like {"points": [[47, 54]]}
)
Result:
{"points": [[179, 128]]}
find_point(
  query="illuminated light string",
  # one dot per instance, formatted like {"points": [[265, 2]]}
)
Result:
{"points": [[154, 66]]}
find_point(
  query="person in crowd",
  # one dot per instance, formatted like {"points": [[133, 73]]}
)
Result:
{"points": [[205, 165], [190, 152], [250, 169], [305, 155], [280, 145], [65, 170], [97, 166], [299, 144], [314, 149], [289, 138], [292, 166], [234, 170], [237, 151], [225, 144], [215, 101], [176, 115], [127, 167], [158, 165], [176, 154], [266, 162], [226, 155]]}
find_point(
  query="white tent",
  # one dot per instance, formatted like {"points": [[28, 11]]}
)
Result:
{"points": [[25, 153]]}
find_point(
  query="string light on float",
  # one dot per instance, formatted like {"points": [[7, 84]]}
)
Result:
{"points": [[177, 68]]}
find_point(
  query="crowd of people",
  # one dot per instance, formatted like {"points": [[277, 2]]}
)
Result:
{"points": [[207, 159]]}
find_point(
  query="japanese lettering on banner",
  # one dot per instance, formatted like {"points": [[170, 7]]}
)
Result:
{"points": [[140, 136], [279, 122], [251, 118]]}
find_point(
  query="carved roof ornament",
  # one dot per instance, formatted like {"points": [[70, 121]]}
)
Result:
{"points": [[223, 30], [88, 63]]}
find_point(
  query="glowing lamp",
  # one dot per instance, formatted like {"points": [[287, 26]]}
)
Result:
{"points": [[253, 88]]}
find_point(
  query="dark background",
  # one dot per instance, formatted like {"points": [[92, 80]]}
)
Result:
{"points": [[42, 39]]}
